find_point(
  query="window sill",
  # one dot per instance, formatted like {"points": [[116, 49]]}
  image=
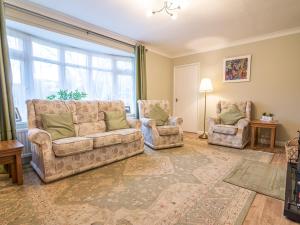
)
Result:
{"points": [[21, 126]]}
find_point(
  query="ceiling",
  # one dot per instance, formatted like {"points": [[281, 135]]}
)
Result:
{"points": [[201, 25]]}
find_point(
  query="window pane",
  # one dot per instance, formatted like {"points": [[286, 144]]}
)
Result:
{"points": [[15, 43], [76, 58], [124, 65], [102, 85], [45, 51], [125, 90], [102, 63], [19, 88], [45, 71], [16, 71], [76, 78], [46, 79]]}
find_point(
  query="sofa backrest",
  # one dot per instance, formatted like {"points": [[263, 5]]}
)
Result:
{"points": [[244, 106], [88, 116], [146, 105]]}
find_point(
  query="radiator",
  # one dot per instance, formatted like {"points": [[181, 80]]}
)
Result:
{"points": [[22, 137]]}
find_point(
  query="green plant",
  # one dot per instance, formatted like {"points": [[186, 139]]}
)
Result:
{"points": [[268, 114], [65, 94]]}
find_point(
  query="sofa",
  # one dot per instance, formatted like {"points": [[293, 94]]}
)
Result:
{"points": [[160, 137], [92, 146], [236, 135]]}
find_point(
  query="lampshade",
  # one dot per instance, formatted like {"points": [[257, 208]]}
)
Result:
{"points": [[206, 85]]}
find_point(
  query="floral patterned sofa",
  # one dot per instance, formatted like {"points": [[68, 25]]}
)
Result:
{"points": [[159, 137], [92, 147], [237, 135]]}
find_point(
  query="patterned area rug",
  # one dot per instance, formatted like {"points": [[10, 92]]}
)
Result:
{"points": [[181, 186]]}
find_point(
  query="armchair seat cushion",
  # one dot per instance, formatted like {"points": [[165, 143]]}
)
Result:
{"points": [[103, 139], [129, 135], [71, 146], [167, 130], [225, 129]]}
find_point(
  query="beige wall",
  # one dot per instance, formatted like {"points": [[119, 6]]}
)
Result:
{"points": [[274, 85], [159, 77]]}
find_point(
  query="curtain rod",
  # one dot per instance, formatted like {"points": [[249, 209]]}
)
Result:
{"points": [[66, 24]]}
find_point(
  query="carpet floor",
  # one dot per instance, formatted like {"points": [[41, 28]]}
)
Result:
{"points": [[182, 186], [260, 177]]}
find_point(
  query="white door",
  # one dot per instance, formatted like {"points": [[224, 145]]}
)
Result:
{"points": [[186, 82]]}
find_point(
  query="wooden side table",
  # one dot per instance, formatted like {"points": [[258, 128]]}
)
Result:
{"points": [[255, 124], [10, 154]]}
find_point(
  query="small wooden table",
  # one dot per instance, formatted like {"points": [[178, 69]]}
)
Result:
{"points": [[10, 154], [255, 124]]}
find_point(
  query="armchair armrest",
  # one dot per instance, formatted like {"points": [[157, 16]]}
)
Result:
{"points": [[242, 123], [39, 137], [175, 121], [148, 122], [213, 121], [134, 123]]}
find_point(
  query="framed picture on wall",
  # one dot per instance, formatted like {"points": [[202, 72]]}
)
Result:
{"points": [[237, 69]]}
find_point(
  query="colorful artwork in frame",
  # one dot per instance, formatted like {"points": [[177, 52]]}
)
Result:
{"points": [[237, 69]]}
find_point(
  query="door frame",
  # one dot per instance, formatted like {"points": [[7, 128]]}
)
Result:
{"points": [[198, 83]]}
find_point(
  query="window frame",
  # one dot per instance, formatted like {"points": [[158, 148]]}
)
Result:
{"points": [[27, 59]]}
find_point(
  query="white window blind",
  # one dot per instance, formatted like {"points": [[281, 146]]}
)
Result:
{"points": [[41, 68]]}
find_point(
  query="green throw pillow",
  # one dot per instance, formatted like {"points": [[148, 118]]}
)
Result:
{"points": [[116, 120], [159, 115], [59, 125], [231, 115]]}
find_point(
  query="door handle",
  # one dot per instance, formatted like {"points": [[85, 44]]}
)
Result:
{"points": [[176, 100]]}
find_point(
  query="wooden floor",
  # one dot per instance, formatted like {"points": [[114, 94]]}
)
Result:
{"points": [[265, 210]]}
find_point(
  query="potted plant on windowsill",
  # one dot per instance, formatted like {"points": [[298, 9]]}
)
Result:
{"points": [[267, 117], [68, 95]]}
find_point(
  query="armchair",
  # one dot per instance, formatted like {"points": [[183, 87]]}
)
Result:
{"points": [[160, 137], [237, 135]]}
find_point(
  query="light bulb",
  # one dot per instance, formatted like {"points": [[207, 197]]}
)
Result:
{"points": [[174, 16], [149, 13]]}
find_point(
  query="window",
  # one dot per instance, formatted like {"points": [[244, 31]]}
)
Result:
{"points": [[41, 68]]}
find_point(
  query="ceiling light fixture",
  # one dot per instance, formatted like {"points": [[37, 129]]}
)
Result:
{"points": [[169, 7]]}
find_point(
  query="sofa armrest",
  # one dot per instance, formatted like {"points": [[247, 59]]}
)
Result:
{"points": [[242, 123], [175, 121], [39, 137], [148, 122], [134, 123]]}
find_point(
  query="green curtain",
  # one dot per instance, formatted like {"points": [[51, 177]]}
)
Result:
{"points": [[7, 115], [141, 82]]}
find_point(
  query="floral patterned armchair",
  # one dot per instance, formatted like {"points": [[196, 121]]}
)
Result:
{"points": [[237, 135], [159, 137]]}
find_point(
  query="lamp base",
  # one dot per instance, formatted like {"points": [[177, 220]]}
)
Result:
{"points": [[203, 136]]}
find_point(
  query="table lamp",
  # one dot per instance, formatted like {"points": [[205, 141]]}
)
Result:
{"points": [[205, 86]]}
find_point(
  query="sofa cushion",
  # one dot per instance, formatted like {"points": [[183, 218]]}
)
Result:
{"points": [[71, 146], [83, 129], [225, 129], [158, 114], [105, 139], [50, 107], [129, 135], [59, 125], [231, 115], [116, 120], [167, 130], [86, 111]]}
